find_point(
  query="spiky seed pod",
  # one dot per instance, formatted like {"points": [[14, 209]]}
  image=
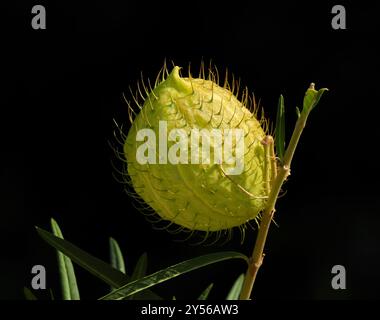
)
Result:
{"points": [[198, 196]]}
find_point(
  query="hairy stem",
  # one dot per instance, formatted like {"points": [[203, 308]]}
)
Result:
{"points": [[283, 172]]}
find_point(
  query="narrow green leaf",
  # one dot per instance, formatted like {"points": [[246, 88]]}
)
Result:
{"points": [[69, 285], [236, 288], [139, 272], [170, 273], [280, 128], [319, 95], [206, 292], [29, 295], [312, 97], [141, 267], [298, 112], [117, 259], [95, 266]]}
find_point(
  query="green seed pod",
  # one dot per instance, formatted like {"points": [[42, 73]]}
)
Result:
{"points": [[198, 190]]}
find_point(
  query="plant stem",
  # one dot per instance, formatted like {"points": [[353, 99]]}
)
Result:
{"points": [[257, 257]]}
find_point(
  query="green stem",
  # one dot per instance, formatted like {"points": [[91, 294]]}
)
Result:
{"points": [[257, 257]]}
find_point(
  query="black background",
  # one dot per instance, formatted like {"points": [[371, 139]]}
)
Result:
{"points": [[63, 86]]}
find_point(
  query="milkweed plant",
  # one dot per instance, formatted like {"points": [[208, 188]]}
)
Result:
{"points": [[199, 157]]}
